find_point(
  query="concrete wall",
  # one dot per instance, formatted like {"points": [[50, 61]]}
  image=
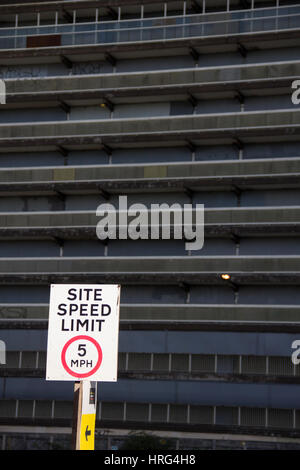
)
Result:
{"points": [[256, 320]]}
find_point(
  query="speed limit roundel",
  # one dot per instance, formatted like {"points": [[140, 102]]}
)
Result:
{"points": [[79, 354]]}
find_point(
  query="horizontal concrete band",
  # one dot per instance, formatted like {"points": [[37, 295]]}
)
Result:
{"points": [[221, 264], [263, 75], [239, 435], [89, 218], [109, 97], [185, 185], [154, 314], [180, 279], [223, 231], [279, 229], [178, 376], [178, 138], [120, 173], [212, 325], [161, 125]]}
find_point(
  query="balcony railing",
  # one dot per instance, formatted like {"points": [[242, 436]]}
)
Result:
{"points": [[167, 28]]}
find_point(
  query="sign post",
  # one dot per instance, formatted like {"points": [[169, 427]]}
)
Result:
{"points": [[88, 415], [77, 408], [82, 346]]}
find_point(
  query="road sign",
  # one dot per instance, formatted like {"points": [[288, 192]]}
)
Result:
{"points": [[83, 332]]}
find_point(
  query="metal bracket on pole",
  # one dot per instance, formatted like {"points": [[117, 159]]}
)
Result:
{"points": [[62, 150], [67, 62], [195, 54], [242, 50], [110, 59]]}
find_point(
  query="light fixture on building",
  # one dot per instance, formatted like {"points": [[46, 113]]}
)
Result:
{"points": [[225, 276], [106, 103]]}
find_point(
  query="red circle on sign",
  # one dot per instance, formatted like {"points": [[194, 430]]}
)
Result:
{"points": [[63, 356]]}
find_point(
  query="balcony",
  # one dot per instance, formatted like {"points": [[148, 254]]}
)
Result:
{"points": [[153, 29]]}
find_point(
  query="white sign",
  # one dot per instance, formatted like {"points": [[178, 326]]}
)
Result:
{"points": [[83, 332]]}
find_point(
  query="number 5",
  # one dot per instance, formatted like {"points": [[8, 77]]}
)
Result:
{"points": [[82, 348]]}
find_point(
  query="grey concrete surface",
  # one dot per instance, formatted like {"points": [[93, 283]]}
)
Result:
{"points": [[159, 312], [238, 73], [162, 170], [89, 218], [150, 125], [217, 264]]}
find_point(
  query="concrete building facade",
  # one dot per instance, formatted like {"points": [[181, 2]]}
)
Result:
{"points": [[185, 102]]}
